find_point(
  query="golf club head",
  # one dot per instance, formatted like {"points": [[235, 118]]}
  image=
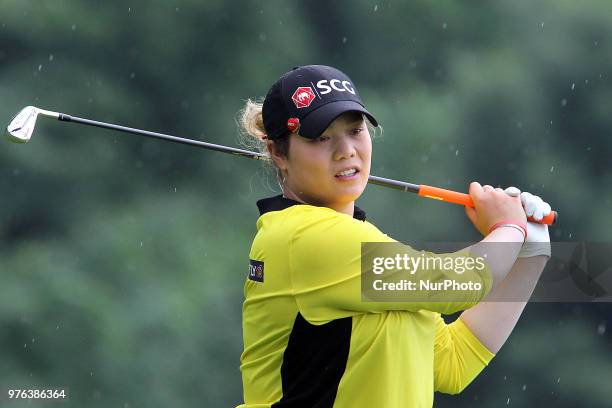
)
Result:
{"points": [[21, 127]]}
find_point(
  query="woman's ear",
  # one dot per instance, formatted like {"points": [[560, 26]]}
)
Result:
{"points": [[278, 158]]}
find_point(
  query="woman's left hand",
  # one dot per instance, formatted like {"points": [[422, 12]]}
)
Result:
{"points": [[538, 239]]}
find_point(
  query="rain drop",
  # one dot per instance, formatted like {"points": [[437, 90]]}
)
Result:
{"points": [[444, 25], [524, 387], [376, 8], [552, 169], [129, 9], [573, 86], [141, 244], [508, 401], [542, 25], [51, 57], [73, 27], [40, 67], [601, 329], [133, 75], [457, 152], [563, 102], [344, 40]]}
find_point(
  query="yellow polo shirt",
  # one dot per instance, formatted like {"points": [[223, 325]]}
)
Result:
{"points": [[310, 340]]}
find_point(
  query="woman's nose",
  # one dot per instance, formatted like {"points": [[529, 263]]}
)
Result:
{"points": [[345, 148]]}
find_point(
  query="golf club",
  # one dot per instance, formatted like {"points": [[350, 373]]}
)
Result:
{"points": [[22, 126]]}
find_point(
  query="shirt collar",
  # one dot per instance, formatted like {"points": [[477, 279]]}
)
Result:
{"points": [[279, 203]]}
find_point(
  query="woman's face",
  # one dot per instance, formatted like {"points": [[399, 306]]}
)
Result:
{"points": [[332, 170]]}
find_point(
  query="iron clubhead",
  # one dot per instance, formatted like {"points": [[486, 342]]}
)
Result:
{"points": [[21, 127]]}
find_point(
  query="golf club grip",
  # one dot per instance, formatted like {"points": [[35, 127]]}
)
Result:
{"points": [[464, 199]]}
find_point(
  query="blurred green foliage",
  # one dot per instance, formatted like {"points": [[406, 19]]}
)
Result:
{"points": [[122, 259]]}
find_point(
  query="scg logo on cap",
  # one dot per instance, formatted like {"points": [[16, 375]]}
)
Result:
{"points": [[325, 89], [303, 97]]}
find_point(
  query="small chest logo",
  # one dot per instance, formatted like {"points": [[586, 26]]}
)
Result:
{"points": [[256, 270], [303, 96]]}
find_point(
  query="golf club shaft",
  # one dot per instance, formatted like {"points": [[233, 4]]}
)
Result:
{"points": [[422, 190], [210, 146]]}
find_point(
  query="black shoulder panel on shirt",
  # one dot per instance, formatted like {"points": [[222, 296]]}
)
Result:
{"points": [[279, 203], [314, 362]]}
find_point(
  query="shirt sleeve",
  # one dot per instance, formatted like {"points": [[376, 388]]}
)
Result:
{"points": [[458, 356], [325, 268]]}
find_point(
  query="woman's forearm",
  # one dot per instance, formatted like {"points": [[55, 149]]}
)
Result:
{"points": [[500, 250], [492, 320]]}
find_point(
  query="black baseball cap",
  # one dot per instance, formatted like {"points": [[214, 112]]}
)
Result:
{"points": [[307, 99]]}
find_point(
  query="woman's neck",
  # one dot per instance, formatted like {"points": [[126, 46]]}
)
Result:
{"points": [[345, 208]]}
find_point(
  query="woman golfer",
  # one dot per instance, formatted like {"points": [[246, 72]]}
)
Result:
{"points": [[309, 339]]}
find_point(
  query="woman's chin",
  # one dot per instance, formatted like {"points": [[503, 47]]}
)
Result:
{"points": [[350, 193]]}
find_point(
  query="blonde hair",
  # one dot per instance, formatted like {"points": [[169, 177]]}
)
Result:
{"points": [[250, 121], [252, 135], [251, 127]]}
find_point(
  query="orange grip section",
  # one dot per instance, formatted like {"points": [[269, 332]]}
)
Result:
{"points": [[445, 195], [464, 199], [550, 219]]}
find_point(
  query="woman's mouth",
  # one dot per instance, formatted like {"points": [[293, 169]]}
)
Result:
{"points": [[348, 174]]}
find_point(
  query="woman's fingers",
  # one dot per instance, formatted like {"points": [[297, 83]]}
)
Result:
{"points": [[534, 206], [512, 191], [528, 203], [538, 214]]}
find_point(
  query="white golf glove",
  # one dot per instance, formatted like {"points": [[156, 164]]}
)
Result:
{"points": [[538, 239]]}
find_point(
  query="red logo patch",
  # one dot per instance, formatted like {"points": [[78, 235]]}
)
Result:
{"points": [[303, 96], [293, 124]]}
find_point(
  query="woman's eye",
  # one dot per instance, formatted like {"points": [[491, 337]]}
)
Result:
{"points": [[357, 131], [322, 138]]}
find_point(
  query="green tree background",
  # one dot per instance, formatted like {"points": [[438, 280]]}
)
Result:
{"points": [[122, 259]]}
